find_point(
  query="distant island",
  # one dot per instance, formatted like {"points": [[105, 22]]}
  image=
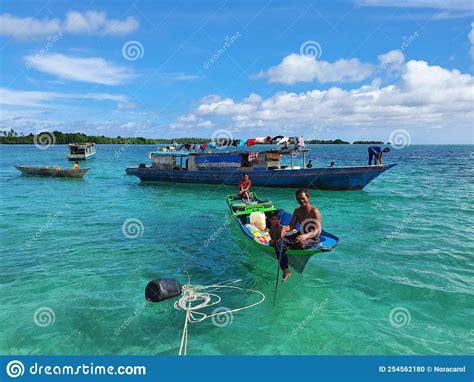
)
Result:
{"points": [[368, 143], [12, 137], [327, 142]]}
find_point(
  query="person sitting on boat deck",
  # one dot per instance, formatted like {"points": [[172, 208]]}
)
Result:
{"points": [[244, 188], [75, 165], [376, 152], [309, 219], [309, 164]]}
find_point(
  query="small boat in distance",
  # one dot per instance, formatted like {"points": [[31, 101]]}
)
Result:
{"points": [[81, 151], [53, 172], [297, 258]]}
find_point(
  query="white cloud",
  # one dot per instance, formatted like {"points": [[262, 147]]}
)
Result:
{"points": [[130, 125], [423, 96], [439, 4], [300, 68], [40, 99], [91, 69], [471, 40], [185, 77], [23, 28], [205, 124], [394, 57], [93, 22], [126, 106], [90, 22]]}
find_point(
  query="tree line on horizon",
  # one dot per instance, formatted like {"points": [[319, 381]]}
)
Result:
{"points": [[12, 137]]}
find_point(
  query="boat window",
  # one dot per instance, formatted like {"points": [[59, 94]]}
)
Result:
{"points": [[245, 160]]}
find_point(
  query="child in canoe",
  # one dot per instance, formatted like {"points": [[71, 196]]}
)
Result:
{"points": [[276, 232], [244, 188]]}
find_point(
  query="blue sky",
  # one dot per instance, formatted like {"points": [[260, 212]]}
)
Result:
{"points": [[360, 69]]}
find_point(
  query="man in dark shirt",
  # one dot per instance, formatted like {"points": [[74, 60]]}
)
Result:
{"points": [[376, 152]]}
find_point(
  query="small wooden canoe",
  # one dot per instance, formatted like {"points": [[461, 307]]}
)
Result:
{"points": [[50, 171], [297, 258]]}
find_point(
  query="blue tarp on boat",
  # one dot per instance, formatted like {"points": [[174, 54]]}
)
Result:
{"points": [[217, 159], [168, 153]]}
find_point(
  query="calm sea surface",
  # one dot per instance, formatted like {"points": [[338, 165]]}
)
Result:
{"points": [[400, 282]]}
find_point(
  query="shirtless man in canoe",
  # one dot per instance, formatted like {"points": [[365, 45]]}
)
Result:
{"points": [[309, 219]]}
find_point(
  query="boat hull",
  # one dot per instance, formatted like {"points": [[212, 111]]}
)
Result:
{"points": [[324, 178], [51, 172], [74, 157], [297, 258]]}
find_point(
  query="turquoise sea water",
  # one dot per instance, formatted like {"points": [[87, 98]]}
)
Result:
{"points": [[400, 282]]}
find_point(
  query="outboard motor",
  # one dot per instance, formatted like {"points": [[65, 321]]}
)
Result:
{"points": [[162, 289]]}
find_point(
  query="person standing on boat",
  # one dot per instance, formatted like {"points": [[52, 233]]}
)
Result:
{"points": [[376, 152], [244, 188], [309, 219], [75, 165]]}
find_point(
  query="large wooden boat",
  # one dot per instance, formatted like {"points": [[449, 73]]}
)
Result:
{"points": [[297, 258], [265, 169], [53, 172]]}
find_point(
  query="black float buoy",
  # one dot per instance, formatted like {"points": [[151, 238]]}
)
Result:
{"points": [[162, 289]]}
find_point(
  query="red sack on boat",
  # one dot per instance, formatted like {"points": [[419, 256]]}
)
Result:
{"points": [[250, 142]]}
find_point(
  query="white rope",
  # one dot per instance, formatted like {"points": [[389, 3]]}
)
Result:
{"points": [[197, 297]]}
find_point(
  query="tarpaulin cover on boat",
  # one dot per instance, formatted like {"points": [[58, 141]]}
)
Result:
{"points": [[217, 159]]}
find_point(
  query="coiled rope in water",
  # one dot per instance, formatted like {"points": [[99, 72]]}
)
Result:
{"points": [[194, 298]]}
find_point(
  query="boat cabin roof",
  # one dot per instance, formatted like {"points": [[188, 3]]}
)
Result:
{"points": [[81, 144], [170, 153], [224, 153]]}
